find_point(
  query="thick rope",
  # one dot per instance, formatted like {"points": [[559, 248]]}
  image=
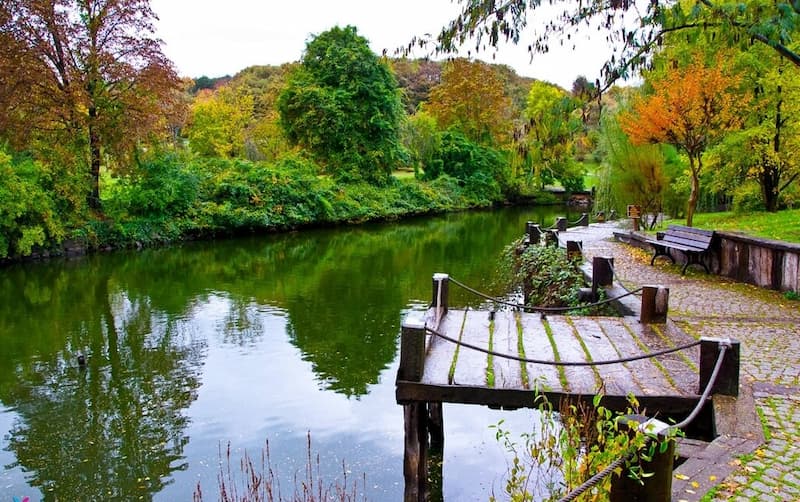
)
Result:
{"points": [[619, 281], [540, 309], [597, 478], [561, 363]]}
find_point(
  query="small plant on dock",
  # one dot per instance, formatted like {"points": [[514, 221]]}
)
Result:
{"points": [[570, 445], [545, 274], [256, 481]]}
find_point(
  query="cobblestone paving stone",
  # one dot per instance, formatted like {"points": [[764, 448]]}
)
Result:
{"points": [[768, 327]]}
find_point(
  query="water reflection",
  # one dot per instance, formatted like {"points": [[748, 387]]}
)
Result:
{"points": [[254, 337]]}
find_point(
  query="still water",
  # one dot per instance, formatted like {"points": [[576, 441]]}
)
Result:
{"points": [[191, 348]]}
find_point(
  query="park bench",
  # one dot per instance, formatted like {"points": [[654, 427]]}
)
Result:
{"points": [[692, 242]]}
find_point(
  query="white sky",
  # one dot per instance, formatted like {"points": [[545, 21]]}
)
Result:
{"points": [[213, 38]]}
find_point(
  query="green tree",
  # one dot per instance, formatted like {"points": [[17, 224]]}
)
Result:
{"points": [[553, 123], [421, 138], [86, 74], [218, 122], [343, 105]]}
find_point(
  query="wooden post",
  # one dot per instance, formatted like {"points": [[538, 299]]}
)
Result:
{"points": [[440, 292], [574, 249], [600, 217], [561, 224], [412, 350], [602, 271], [612, 215], [635, 220], [550, 238], [415, 455], [583, 221], [534, 233], [435, 452], [728, 378], [655, 305], [658, 486]]}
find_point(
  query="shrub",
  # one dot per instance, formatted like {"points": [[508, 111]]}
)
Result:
{"points": [[545, 275], [27, 211]]}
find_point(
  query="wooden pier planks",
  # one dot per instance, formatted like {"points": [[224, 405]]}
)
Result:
{"points": [[537, 346], [471, 364], [450, 371], [440, 353], [507, 372]]}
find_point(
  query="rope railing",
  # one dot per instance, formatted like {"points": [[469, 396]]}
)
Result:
{"points": [[597, 478], [539, 308], [560, 363]]}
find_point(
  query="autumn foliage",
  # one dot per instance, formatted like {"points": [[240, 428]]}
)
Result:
{"points": [[690, 108]]}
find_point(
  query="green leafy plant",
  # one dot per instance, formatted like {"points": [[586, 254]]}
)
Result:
{"points": [[570, 445]]}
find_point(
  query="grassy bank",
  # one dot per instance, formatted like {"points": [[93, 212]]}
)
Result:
{"points": [[783, 225]]}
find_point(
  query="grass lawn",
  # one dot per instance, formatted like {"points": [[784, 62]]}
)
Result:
{"points": [[783, 225]]}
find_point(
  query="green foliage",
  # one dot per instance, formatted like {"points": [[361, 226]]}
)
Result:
{"points": [[747, 197], [553, 123], [421, 137], [343, 106], [544, 273], [572, 444], [159, 188], [28, 215]]}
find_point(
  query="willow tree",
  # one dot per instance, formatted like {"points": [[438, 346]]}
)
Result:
{"points": [[691, 108], [88, 75]]}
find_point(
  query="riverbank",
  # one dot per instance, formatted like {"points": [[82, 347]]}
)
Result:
{"points": [[222, 202]]}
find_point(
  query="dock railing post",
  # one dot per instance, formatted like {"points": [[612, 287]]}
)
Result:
{"points": [[602, 271], [657, 487], [412, 349], [583, 221], [655, 305], [574, 249], [561, 224], [440, 294], [534, 233], [727, 382], [600, 217]]}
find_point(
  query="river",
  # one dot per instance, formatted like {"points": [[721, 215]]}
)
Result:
{"points": [[193, 347]]}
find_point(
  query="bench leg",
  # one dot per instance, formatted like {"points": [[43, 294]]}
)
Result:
{"points": [[660, 251], [693, 259]]}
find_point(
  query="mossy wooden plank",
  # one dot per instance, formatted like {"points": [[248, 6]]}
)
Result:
{"points": [[647, 376], [617, 378], [507, 372], [441, 352], [537, 346], [682, 379], [582, 379], [471, 364]]}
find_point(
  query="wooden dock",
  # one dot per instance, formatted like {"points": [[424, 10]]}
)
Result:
{"points": [[667, 385], [506, 358]]}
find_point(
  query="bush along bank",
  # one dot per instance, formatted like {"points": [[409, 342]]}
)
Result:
{"points": [[171, 199]]}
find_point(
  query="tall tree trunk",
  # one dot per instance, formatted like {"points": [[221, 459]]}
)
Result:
{"points": [[771, 173], [94, 161], [694, 167]]}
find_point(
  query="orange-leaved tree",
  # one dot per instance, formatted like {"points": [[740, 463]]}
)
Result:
{"points": [[691, 108]]}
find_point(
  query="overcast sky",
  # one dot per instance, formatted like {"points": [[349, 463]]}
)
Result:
{"points": [[215, 38]]}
